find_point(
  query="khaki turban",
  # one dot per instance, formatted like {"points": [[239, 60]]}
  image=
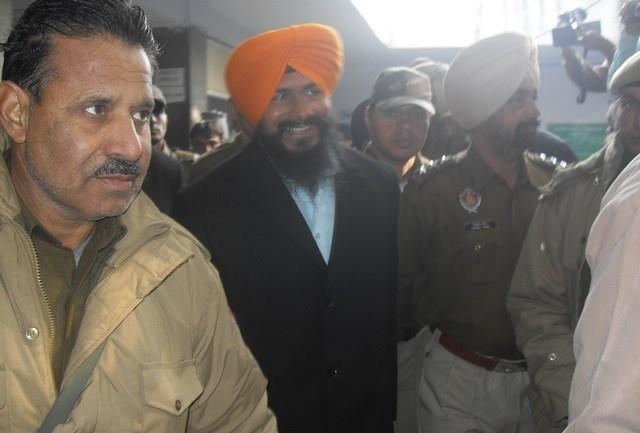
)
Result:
{"points": [[256, 66], [627, 74], [485, 75]]}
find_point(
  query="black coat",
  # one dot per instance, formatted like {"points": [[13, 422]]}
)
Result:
{"points": [[163, 180], [324, 335]]}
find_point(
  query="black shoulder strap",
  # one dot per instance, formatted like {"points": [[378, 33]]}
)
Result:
{"points": [[68, 397]]}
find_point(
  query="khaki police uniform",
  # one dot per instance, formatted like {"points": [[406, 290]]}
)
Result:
{"points": [[461, 229], [551, 280]]}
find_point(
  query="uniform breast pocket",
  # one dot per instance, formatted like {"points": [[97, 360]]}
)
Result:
{"points": [[483, 252], [169, 389]]}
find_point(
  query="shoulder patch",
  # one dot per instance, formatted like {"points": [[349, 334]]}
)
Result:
{"points": [[429, 168], [540, 167], [563, 177]]}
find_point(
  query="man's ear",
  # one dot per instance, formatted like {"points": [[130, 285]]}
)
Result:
{"points": [[14, 111]]}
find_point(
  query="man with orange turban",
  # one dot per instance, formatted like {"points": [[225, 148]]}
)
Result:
{"points": [[303, 232]]}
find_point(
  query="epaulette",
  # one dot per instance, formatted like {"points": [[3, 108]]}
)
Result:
{"points": [[541, 167], [565, 176], [432, 166]]}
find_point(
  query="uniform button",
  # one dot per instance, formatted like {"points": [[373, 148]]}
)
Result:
{"points": [[553, 356], [178, 405], [317, 235], [507, 370], [333, 372], [542, 246], [477, 247], [32, 333], [329, 302]]}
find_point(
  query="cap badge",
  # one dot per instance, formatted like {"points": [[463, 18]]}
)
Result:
{"points": [[470, 200]]}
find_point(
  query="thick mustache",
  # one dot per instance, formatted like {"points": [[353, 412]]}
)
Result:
{"points": [[118, 166], [309, 121], [529, 124]]}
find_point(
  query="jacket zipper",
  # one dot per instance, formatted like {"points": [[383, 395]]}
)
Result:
{"points": [[43, 292]]}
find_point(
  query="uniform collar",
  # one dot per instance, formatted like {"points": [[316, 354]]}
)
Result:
{"points": [[482, 174]]}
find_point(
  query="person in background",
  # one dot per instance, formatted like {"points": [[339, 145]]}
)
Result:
{"points": [[164, 176], [397, 118], [598, 78], [206, 136], [226, 150], [445, 136], [159, 122]]}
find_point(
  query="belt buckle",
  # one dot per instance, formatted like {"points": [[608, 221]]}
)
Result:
{"points": [[504, 366]]}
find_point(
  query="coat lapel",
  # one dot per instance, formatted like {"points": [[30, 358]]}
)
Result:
{"points": [[352, 201], [271, 197]]}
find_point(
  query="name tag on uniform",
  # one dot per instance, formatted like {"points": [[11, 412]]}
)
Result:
{"points": [[481, 225]]}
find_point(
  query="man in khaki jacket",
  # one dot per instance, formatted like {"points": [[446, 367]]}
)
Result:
{"points": [[86, 264], [552, 278]]}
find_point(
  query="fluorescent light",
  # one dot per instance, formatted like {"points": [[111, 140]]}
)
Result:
{"points": [[458, 23]]}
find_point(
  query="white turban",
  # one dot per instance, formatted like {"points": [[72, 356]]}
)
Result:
{"points": [[485, 75], [628, 73]]}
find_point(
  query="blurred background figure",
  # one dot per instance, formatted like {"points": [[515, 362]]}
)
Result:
{"points": [[597, 78], [398, 118], [209, 133]]}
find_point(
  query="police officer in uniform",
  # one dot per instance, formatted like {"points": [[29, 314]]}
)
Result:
{"points": [[551, 280], [462, 224]]}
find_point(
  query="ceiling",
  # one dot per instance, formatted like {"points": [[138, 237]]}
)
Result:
{"points": [[230, 21]]}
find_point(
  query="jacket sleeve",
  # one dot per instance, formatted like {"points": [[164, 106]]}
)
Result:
{"points": [[234, 397], [412, 268], [539, 307], [606, 386]]}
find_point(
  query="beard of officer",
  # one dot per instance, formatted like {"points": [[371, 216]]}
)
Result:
{"points": [[311, 161]]}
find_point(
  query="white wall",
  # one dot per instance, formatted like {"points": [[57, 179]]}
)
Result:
{"points": [[557, 95], [5, 21]]}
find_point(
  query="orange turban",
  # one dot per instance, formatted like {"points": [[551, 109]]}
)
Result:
{"points": [[256, 66]]}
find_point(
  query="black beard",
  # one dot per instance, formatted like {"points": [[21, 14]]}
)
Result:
{"points": [[305, 168], [523, 140]]}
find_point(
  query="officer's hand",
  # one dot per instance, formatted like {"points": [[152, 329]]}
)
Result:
{"points": [[593, 41]]}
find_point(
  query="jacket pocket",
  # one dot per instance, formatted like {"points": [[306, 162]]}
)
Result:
{"points": [[169, 389]]}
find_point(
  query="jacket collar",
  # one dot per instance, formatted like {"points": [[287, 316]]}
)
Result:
{"points": [[140, 269], [418, 162], [9, 203], [481, 174], [613, 154]]}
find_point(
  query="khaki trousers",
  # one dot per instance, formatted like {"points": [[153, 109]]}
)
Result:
{"points": [[455, 396]]}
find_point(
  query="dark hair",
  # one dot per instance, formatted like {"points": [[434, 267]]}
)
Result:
{"points": [[27, 50], [202, 128]]}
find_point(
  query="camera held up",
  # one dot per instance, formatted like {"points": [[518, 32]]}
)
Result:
{"points": [[572, 25]]}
